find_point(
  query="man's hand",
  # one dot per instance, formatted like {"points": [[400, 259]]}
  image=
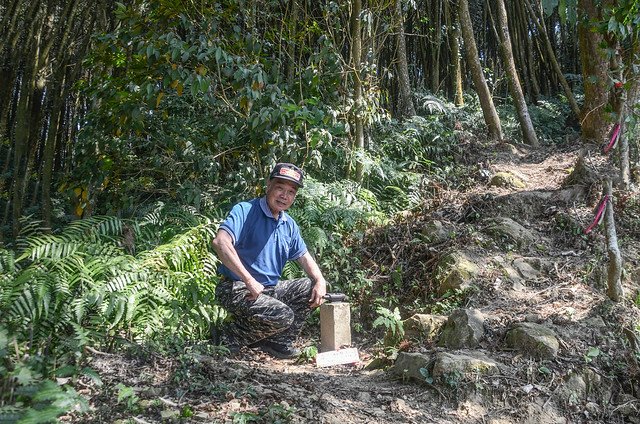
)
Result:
{"points": [[223, 245], [319, 290], [254, 288]]}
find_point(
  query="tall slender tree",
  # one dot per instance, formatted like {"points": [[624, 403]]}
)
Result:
{"points": [[405, 107], [451, 19], [489, 111], [595, 67], [41, 37], [528, 132], [537, 17], [436, 50], [356, 59]]}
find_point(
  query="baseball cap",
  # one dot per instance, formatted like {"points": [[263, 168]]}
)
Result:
{"points": [[287, 171]]}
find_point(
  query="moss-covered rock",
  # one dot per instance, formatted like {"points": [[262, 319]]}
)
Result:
{"points": [[509, 231], [455, 271], [408, 365], [506, 180], [434, 232], [423, 326], [463, 329], [463, 365], [534, 340]]}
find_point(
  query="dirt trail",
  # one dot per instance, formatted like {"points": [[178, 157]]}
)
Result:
{"points": [[252, 387]]}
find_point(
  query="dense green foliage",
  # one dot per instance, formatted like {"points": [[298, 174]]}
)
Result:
{"points": [[186, 106], [104, 278], [27, 397]]}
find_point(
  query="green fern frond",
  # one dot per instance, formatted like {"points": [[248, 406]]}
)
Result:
{"points": [[210, 264], [291, 270], [95, 228], [122, 280], [180, 252], [70, 289], [54, 247], [30, 227], [24, 306], [7, 262], [316, 239]]}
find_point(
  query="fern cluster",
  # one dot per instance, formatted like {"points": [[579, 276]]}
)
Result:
{"points": [[105, 278]]}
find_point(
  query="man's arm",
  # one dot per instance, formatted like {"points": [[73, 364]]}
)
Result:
{"points": [[311, 268], [223, 245]]}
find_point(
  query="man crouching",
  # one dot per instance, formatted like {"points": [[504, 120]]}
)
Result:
{"points": [[254, 243]]}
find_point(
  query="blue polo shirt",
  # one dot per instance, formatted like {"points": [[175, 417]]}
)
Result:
{"points": [[264, 243]]}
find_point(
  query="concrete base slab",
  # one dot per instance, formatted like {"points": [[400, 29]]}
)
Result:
{"points": [[338, 357]]}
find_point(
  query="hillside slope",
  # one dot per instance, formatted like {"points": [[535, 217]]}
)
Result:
{"points": [[533, 270]]}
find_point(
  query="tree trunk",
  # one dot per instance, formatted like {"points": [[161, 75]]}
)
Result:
{"points": [[53, 133], [627, 98], [8, 20], [423, 51], [528, 54], [595, 66], [473, 63], [625, 168], [291, 44], [454, 39], [405, 101], [528, 133], [9, 59], [22, 129], [356, 55], [518, 48], [614, 273], [436, 46]]}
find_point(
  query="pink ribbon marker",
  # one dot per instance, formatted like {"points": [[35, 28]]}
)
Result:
{"points": [[614, 139], [599, 214]]}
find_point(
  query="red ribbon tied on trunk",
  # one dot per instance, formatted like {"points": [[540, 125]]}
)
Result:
{"points": [[599, 214], [615, 136]]}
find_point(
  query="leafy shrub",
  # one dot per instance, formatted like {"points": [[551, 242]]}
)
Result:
{"points": [[26, 396], [332, 216], [189, 108], [105, 278], [418, 144], [549, 117], [391, 322]]}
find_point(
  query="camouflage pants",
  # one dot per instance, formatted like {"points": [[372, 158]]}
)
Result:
{"points": [[277, 315]]}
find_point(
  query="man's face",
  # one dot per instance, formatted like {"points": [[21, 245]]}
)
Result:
{"points": [[280, 195]]}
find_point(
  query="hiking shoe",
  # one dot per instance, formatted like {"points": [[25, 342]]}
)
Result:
{"points": [[278, 350]]}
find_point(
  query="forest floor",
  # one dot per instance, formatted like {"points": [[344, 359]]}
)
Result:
{"points": [[569, 295]]}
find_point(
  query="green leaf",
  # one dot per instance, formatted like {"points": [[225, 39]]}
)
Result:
{"points": [[25, 376], [204, 85], [544, 370], [66, 371], [93, 375], [549, 6], [593, 352], [124, 392], [39, 416]]}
